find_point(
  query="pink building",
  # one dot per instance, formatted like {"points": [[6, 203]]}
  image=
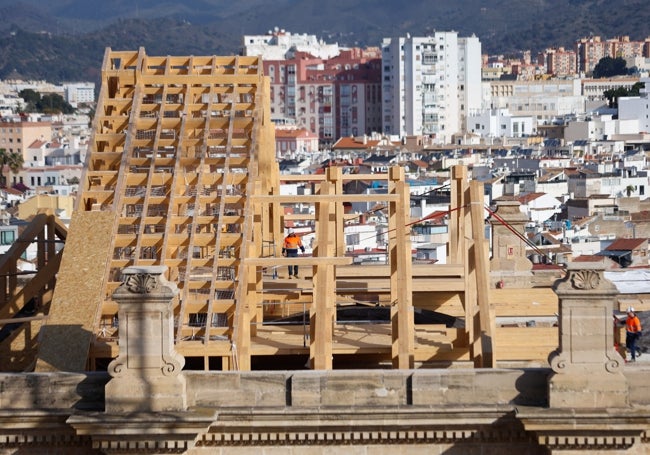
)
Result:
{"points": [[560, 62], [290, 142], [331, 98]]}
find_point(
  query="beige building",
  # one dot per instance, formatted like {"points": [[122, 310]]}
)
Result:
{"points": [[543, 100], [18, 136], [56, 203]]}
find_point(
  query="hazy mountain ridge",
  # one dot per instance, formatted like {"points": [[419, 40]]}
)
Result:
{"points": [[78, 31]]}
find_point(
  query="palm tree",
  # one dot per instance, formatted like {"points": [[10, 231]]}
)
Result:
{"points": [[630, 189], [12, 159]]}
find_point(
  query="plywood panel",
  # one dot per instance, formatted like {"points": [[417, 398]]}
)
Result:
{"points": [[65, 339]]}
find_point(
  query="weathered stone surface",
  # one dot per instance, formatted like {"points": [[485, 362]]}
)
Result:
{"points": [[147, 372], [232, 389], [588, 368]]}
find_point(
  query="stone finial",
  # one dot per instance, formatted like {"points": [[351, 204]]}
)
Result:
{"points": [[588, 370], [146, 373]]}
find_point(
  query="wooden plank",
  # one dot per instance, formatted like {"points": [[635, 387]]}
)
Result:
{"points": [[417, 271], [526, 343], [300, 261], [322, 177], [314, 198], [524, 302]]}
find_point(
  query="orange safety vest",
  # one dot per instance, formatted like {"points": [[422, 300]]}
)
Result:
{"points": [[292, 242], [632, 324]]}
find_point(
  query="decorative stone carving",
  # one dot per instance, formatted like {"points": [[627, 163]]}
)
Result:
{"points": [[588, 370], [147, 365], [141, 283]]}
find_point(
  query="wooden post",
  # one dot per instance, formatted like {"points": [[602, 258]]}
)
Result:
{"points": [[402, 329], [483, 328], [459, 253], [321, 315], [456, 226]]}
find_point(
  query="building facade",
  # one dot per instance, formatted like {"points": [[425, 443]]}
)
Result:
{"points": [[590, 50], [332, 98], [429, 83], [637, 107], [18, 136], [542, 100], [291, 142]]}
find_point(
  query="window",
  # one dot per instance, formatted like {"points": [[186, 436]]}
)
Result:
{"points": [[7, 237], [352, 239]]}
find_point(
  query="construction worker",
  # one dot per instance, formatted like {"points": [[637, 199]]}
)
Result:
{"points": [[290, 249], [632, 333]]}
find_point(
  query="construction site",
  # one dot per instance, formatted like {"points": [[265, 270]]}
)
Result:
{"points": [[184, 175], [181, 183]]}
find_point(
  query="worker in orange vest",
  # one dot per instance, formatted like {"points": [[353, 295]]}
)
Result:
{"points": [[290, 249], [632, 333]]}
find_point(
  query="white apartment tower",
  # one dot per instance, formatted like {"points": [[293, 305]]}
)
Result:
{"points": [[429, 84]]}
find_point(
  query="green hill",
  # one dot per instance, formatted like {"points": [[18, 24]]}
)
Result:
{"points": [[65, 39]]}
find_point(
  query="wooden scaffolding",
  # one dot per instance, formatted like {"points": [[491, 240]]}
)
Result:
{"points": [[181, 172]]}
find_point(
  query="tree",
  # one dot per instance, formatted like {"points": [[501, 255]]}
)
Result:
{"points": [[613, 94], [608, 67], [630, 189], [50, 103], [12, 159]]}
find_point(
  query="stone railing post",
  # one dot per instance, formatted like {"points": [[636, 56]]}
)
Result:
{"points": [[146, 373], [587, 367]]}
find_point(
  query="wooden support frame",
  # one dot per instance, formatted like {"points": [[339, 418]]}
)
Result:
{"points": [[183, 155]]}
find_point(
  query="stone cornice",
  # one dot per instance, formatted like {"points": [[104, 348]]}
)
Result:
{"points": [[145, 432], [360, 426], [586, 429]]}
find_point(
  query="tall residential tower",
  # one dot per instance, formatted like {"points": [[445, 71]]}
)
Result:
{"points": [[429, 84]]}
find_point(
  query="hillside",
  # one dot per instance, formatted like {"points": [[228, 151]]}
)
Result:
{"points": [[65, 39]]}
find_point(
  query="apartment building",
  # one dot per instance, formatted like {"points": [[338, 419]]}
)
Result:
{"points": [[493, 123], [560, 62], [593, 89], [19, 135], [332, 98], [590, 50], [79, 93], [543, 100], [429, 84]]}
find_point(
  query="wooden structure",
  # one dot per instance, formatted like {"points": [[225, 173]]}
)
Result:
{"points": [[25, 297], [181, 172]]}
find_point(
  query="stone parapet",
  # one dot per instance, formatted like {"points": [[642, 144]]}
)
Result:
{"points": [[494, 410]]}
